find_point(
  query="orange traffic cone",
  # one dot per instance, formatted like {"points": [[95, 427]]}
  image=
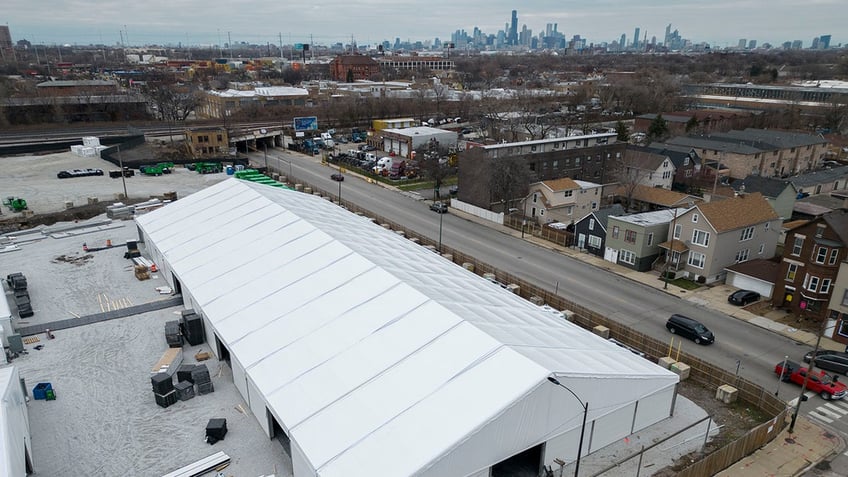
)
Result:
{"points": [[108, 242], [153, 267], [84, 247]]}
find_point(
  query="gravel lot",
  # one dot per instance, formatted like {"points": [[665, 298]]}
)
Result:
{"points": [[34, 178]]}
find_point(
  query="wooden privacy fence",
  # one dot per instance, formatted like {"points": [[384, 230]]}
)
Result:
{"points": [[701, 372]]}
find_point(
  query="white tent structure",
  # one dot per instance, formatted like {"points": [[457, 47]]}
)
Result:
{"points": [[15, 440], [371, 355]]}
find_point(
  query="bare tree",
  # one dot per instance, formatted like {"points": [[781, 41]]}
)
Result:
{"points": [[433, 160], [509, 181]]}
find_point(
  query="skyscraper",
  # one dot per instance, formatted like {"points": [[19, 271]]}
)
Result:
{"points": [[513, 29], [636, 38], [621, 44], [5, 37], [667, 39], [824, 42]]}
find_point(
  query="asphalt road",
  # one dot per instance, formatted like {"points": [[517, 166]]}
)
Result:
{"points": [[753, 350]]}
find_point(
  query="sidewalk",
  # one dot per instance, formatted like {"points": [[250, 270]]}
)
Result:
{"points": [[788, 454]]}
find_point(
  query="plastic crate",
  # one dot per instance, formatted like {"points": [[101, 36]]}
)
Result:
{"points": [[40, 390]]}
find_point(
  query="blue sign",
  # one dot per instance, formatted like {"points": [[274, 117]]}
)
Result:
{"points": [[308, 123], [298, 46]]}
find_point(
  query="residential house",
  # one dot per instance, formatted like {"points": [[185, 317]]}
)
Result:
{"points": [[823, 181], [591, 231], [762, 152], [709, 237], [838, 306], [646, 168], [780, 193], [697, 121], [588, 157], [562, 200], [687, 165], [639, 198], [811, 262], [634, 240]]}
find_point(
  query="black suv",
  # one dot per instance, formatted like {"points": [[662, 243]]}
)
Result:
{"points": [[690, 328]]}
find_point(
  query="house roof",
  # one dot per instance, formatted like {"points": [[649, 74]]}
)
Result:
{"points": [[678, 155], [760, 268], [658, 196], [646, 219], [822, 176], [750, 141], [602, 215], [741, 211], [675, 245], [838, 222], [769, 187], [363, 356], [562, 184], [642, 159]]}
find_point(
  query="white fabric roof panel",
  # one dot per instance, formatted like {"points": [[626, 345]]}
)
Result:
{"points": [[367, 346]]}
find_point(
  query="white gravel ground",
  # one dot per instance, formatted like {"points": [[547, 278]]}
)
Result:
{"points": [[105, 421]]}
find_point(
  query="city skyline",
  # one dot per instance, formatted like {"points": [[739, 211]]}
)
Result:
{"points": [[197, 23]]}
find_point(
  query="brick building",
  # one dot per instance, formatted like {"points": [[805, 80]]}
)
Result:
{"points": [[353, 67]]}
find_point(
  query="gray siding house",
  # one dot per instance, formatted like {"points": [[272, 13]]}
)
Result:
{"points": [[708, 238], [634, 240], [590, 232]]}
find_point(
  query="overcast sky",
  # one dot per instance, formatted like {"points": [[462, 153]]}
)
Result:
{"points": [[196, 22]]}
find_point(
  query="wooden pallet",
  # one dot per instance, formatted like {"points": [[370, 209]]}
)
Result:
{"points": [[31, 340]]}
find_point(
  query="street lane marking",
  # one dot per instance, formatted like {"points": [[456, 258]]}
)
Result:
{"points": [[794, 402], [842, 404], [820, 417], [827, 412], [836, 408]]}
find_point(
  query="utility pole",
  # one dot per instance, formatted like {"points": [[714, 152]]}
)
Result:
{"points": [[230, 44], [281, 45], [123, 176]]}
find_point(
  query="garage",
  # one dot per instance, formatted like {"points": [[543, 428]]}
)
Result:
{"points": [[396, 364], [757, 275]]}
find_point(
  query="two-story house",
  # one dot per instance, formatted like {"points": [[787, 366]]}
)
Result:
{"points": [[811, 259], [634, 240], [647, 168], [562, 200], [590, 232], [711, 236], [838, 307]]}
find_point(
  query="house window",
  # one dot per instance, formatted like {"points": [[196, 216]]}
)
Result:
{"points": [[630, 236], [626, 256], [615, 231], [747, 234], [821, 254], [591, 224], [594, 206], [797, 245], [845, 297], [569, 210], [767, 226], [819, 230], [534, 198], [568, 193], [696, 259], [791, 272], [825, 286], [742, 256], [762, 249], [833, 254], [813, 284], [650, 239], [818, 189], [678, 228], [694, 218], [688, 173], [594, 241], [699, 237], [686, 161]]}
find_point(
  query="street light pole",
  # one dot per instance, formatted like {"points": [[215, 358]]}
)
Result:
{"points": [[582, 427], [441, 215], [266, 157], [782, 371], [123, 175], [671, 250]]}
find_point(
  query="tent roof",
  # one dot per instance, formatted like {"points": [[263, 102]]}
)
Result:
{"points": [[366, 346]]}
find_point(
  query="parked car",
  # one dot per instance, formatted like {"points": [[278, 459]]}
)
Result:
{"points": [[834, 361], [690, 328], [337, 177], [743, 297], [439, 207], [79, 173], [821, 383]]}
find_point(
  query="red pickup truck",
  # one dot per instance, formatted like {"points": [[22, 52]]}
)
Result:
{"points": [[826, 386]]}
